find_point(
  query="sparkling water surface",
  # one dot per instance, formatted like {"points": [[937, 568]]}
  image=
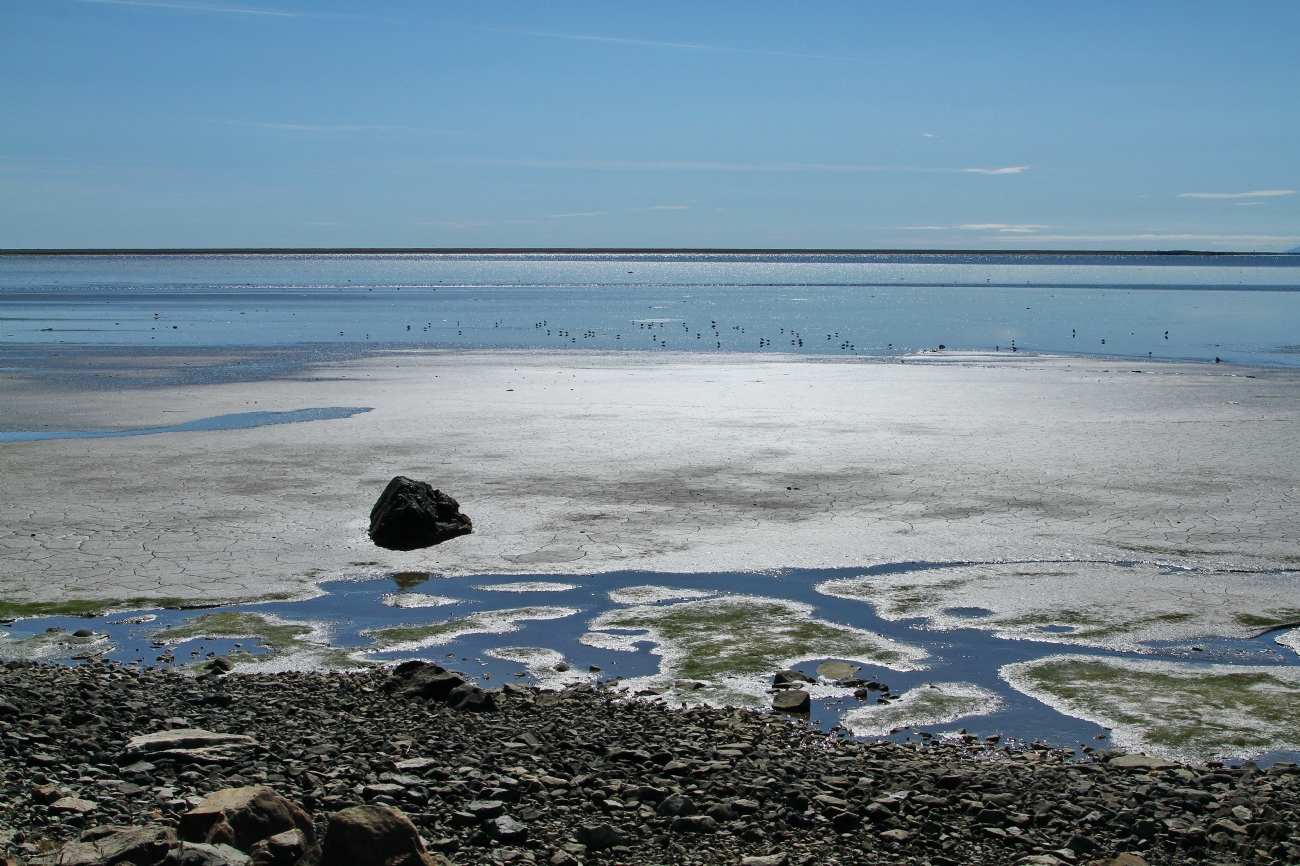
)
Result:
{"points": [[1240, 309]]}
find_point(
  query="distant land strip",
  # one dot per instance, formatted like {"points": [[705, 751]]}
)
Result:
{"points": [[719, 251]]}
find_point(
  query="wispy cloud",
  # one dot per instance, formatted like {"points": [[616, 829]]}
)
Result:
{"points": [[1219, 240], [454, 225], [653, 43], [928, 135], [686, 165], [342, 127], [1018, 228], [198, 7], [557, 216], [1015, 169], [1259, 193], [1002, 227]]}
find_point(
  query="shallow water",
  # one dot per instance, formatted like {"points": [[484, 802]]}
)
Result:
{"points": [[1239, 309], [236, 421], [346, 610]]}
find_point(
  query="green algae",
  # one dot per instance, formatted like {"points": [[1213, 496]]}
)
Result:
{"points": [[1188, 712], [734, 643], [54, 645], [290, 645], [930, 704], [413, 637]]}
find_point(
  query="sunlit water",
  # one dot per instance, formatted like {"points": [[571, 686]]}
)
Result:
{"points": [[1240, 309]]}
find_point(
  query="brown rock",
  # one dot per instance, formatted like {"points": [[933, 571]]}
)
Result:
{"points": [[284, 849], [373, 836], [241, 817]]}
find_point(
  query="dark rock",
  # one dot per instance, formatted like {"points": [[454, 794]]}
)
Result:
{"points": [[423, 680], [676, 805], [107, 846], [241, 817], [471, 698], [203, 854], [506, 829], [482, 810], [221, 664], [844, 822], [721, 812], [84, 632], [283, 849], [695, 824], [372, 836], [792, 701], [410, 514], [598, 837], [788, 678]]}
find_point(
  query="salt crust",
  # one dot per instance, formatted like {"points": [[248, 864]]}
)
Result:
{"points": [[653, 594], [415, 599], [1289, 639], [541, 664], [930, 704], [527, 586], [480, 622], [1107, 605], [1176, 711], [663, 462], [737, 650]]}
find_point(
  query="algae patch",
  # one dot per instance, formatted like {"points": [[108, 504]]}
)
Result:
{"points": [[291, 645], [930, 704], [54, 645], [1184, 712], [653, 594], [408, 638], [1097, 604], [733, 644]]}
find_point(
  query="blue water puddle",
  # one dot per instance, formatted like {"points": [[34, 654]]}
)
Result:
{"points": [[348, 608], [236, 421]]}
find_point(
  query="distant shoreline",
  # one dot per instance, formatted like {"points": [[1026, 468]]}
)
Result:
{"points": [[628, 251]]}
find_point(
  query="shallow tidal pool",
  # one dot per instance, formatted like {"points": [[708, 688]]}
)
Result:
{"points": [[959, 646]]}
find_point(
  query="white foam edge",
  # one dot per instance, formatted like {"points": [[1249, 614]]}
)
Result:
{"points": [[877, 720], [479, 622], [652, 594], [541, 662], [405, 600], [527, 586]]}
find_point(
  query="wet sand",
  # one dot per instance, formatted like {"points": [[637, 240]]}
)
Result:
{"points": [[584, 462]]}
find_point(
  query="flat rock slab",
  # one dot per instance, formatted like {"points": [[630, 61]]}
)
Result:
{"points": [[185, 738], [837, 670], [1141, 761]]}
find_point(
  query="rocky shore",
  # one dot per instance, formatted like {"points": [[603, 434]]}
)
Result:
{"points": [[518, 775]]}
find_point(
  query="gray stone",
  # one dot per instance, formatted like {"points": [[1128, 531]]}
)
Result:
{"points": [[792, 701]]}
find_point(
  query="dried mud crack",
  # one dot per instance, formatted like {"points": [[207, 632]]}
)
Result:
{"points": [[585, 775]]}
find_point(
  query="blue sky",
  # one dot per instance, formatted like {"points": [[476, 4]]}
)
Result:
{"points": [[160, 123]]}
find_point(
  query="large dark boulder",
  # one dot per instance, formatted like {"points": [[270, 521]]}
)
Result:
{"points": [[417, 679], [410, 514]]}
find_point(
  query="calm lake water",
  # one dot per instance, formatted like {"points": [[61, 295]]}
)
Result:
{"points": [[1242, 309]]}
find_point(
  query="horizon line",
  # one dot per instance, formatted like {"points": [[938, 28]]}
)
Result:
{"points": [[173, 251]]}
